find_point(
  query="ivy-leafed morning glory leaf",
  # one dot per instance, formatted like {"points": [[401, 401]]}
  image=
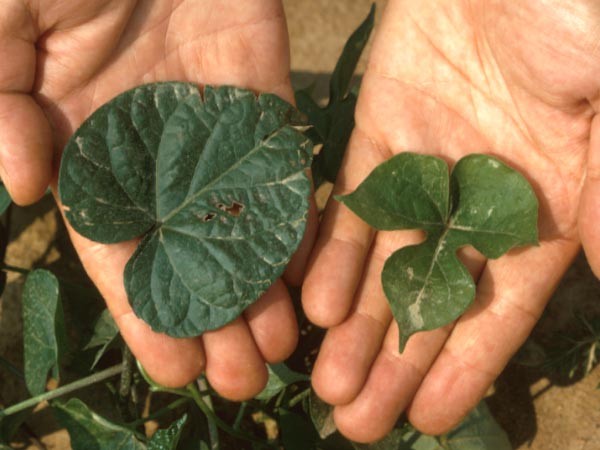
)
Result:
{"points": [[483, 203], [44, 335], [215, 185]]}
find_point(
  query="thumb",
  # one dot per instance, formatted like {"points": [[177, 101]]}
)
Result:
{"points": [[25, 136], [589, 206]]}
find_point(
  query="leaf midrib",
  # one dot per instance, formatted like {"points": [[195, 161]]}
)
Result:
{"points": [[215, 180]]}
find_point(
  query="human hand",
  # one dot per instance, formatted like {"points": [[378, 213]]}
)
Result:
{"points": [[518, 80], [61, 61]]}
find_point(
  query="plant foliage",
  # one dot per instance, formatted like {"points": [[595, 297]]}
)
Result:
{"points": [[216, 186], [483, 203]]}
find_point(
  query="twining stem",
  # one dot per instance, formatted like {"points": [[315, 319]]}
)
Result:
{"points": [[220, 423], [71, 387]]}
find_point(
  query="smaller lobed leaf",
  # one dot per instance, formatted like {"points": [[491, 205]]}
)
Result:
{"points": [[483, 203]]}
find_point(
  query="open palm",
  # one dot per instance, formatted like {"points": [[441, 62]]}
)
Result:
{"points": [[62, 61], [517, 80]]}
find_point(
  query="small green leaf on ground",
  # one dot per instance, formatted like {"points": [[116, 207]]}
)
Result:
{"points": [[321, 415], [215, 185], [105, 333], [43, 329], [89, 431], [167, 439], [478, 431], [280, 377], [484, 203]]}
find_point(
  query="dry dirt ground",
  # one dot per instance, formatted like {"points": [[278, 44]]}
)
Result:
{"points": [[539, 408]]}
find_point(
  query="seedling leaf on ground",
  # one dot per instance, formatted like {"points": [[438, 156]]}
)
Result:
{"points": [[88, 430], [167, 439], [216, 186], [280, 377], [483, 203], [44, 336], [478, 431]]}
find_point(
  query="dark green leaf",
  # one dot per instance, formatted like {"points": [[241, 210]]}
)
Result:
{"points": [[484, 203], [341, 123], [89, 431], [10, 425], [346, 65], [478, 431], [216, 185], [5, 199], [43, 329], [169, 438], [280, 377], [105, 333], [321, 415], [333, 125]]}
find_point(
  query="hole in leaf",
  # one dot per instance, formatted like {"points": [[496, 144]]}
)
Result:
{"points": [[235, 209], [206, 217]]}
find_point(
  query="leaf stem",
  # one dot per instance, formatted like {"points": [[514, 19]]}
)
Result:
{"points": [[50, 395], [299, 397], [240, 415], [9, 268], [220, 423]]}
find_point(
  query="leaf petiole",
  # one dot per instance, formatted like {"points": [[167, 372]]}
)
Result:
{"points": [[67, 389]]}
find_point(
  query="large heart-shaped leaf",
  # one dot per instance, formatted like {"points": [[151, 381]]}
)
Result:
{"points": [[216, 186], [484, 203]]}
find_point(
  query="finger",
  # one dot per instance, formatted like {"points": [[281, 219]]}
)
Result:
{"points": [[512, 293], [25, 137], [169, 361], [349, 349], [336, 264], [234, 364], [272, 322], [589, 206], [390, 386], [401, 372]]}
